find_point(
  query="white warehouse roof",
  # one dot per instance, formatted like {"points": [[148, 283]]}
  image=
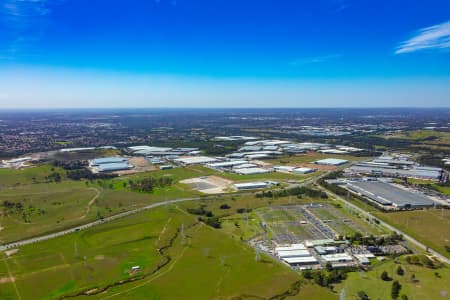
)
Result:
{"points": [[331, 161], [191, 160], [300, 260], [293, 253]]}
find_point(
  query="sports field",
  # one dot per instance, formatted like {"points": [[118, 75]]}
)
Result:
{"points": [[171, 248]]}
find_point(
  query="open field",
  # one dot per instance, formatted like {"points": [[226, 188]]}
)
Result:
{"points": [[34, 174], [428, 286], [421, 135], [434, 140], [219, 267], [431, 226], [56, 206]]}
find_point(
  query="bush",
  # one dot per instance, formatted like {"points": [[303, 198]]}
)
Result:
{"points": [[400, 271], [363, 296], [225, 206], [385, 277], [395, 290]]}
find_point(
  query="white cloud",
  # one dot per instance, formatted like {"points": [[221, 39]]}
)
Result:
{"points": [[314, 59], [435, 37]]}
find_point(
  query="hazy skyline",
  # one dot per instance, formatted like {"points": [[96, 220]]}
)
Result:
{"points": [[326, 53]]}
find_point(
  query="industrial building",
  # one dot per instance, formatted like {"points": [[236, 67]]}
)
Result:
{"points": [[387, 195], [110, 164], [289, 169], [331, 162], [250, 171], [226, 164], [303, 170], [296, 255], [194, 160], [254, 185], [338, 259], [400, 167]]}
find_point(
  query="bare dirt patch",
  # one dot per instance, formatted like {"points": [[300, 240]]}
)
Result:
{"points": [[11, 252], [99, 257], [209, 184], [8, 279], [140, 165]]}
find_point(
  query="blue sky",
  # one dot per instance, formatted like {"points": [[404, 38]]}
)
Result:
{"points": [[217, 53]]}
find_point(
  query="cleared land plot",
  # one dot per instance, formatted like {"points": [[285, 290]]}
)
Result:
{"points": [[141, 164], [209, 184], [218, 267]]}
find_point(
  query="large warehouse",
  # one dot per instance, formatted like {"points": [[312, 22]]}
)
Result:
{"points": [[331, 162], [110, 164], [388, 195]]}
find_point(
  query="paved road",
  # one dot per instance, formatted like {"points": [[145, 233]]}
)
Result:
{"points": [[124, 214], [127, 213], [390, 227], [94, 223]]}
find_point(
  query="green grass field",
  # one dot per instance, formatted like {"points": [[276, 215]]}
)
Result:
{"points": [[35, 174], [205, 264], [427, 287], [431, 227]]}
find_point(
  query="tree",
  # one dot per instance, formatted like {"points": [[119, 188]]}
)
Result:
{"points": [[363, 296], [395, 290], [404, 297], [385, 276], [400, 271]]}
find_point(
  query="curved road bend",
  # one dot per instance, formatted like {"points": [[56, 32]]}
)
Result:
{"points": [[390, 227]]}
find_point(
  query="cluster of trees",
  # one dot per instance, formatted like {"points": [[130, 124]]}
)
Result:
{"points": [[54, 176], [392, 239], [201, 211], [18, 208], [295, 191], [206, 216], [328, 276], [71, 164], [147, 184], [421, 260], [243, 210], [78, 174]]}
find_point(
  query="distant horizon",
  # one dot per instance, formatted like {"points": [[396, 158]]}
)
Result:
{"points": [[221, 108]]}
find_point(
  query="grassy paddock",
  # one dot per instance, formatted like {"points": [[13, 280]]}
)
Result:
{"points": [[215, 265], [428, 286], [431, 226]]}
